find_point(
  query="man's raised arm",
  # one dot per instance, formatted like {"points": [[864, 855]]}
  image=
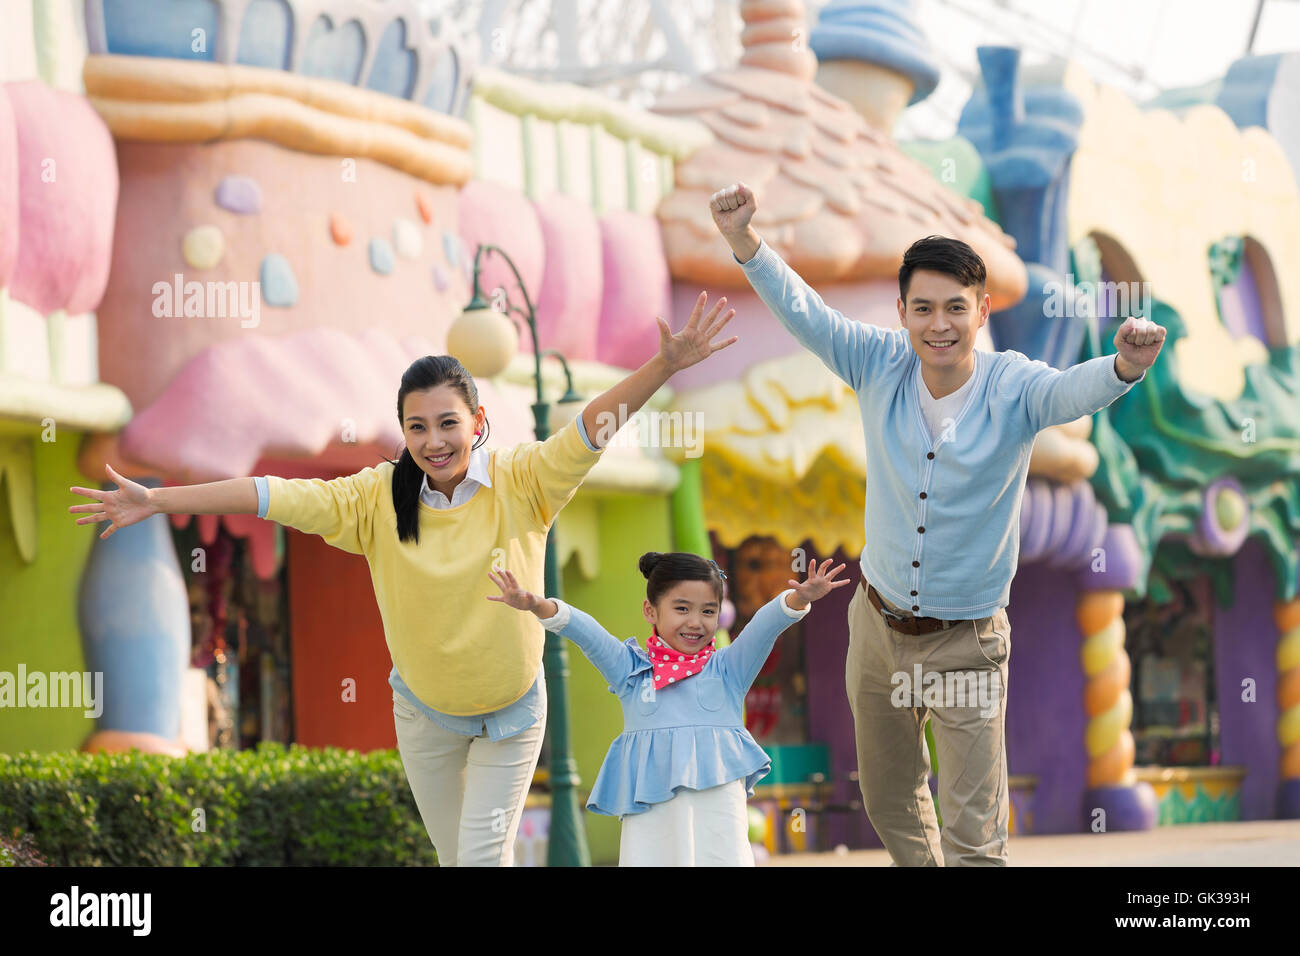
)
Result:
{"points": [[842, 344]]}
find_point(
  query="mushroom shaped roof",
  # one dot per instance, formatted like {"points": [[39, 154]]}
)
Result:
{"points": [[881, 32], [837, 199]]}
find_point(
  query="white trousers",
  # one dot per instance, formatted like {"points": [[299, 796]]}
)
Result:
{"points": [[694, 828], [470, 790]]}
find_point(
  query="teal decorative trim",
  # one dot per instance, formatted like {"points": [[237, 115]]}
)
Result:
{"points": [[1177, 810], [1225, 261]]}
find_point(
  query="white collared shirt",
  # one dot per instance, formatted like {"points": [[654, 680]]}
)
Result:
{"points": [[475, 475]]}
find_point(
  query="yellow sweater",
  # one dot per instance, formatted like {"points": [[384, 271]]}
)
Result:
{"points": [[458, 652]]}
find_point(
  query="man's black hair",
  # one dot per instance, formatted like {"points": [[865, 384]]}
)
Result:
{"points": [[952, 257]]}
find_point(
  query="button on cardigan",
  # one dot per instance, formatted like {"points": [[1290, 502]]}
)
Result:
{"points": [[942, 517], [688, 734]]}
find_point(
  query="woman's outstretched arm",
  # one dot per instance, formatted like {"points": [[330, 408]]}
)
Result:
{"points": [[608, 412], [132, 502]]}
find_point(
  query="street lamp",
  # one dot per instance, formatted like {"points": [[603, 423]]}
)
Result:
{"points": [[476, 337]]}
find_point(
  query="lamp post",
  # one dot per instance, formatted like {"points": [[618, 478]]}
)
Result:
{"points": [[567, 845]]}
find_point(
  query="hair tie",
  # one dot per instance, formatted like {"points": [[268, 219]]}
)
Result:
{"points": [[721, 573]]}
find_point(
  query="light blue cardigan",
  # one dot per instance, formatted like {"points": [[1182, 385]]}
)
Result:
{"points": [[942, 516], [683, 735]]}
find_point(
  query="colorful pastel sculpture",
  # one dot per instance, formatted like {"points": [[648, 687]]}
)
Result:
{"points": [[840, 200], [141, 646], [1026, 138]]}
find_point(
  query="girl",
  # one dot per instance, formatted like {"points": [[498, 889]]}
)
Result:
{"points": [[679, 774], [469, 698]]}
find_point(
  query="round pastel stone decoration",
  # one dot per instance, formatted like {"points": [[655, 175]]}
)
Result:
{"points": [[203, 246], [407, 239], [381, 256], [279, 284], [239, 194]]}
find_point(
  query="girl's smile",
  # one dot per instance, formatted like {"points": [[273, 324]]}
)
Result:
{"points": [[686, 617]]}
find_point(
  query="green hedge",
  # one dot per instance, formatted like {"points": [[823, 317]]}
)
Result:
{"points": [[266, 807]]}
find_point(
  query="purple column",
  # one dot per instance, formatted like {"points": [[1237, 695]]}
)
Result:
{"points": [[1245, 646]]}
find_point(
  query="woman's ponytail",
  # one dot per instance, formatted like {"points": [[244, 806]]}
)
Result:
{"points": [[408, 477]]}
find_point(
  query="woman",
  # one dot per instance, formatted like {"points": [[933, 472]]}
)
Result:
{"points": [[469, 700]]}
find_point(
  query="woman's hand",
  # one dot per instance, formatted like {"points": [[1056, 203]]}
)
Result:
{"points": [[609, 411], [692, 344], [819, 583], [129, 504], [511, 592]]}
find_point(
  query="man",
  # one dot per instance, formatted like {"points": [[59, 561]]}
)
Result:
{"points": [[948, 432]]}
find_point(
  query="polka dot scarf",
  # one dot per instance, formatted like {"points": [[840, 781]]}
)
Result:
{"points": [[672, 667]]}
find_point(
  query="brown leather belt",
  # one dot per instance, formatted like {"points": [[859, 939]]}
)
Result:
{"points": [[903, 623]]}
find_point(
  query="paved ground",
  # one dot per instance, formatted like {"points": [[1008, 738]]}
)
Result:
{"points": [[1255, 843]]}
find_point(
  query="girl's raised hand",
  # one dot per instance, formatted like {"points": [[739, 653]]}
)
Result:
{"points": [[511, 592], [819, 583], [693, 344], [129, 504]]}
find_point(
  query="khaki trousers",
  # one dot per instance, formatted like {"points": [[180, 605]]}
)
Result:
{"points": [[957, 679], [470, 790]]}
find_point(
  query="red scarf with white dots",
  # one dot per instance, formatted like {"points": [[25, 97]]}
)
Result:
{"points": [[673, 667]]}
